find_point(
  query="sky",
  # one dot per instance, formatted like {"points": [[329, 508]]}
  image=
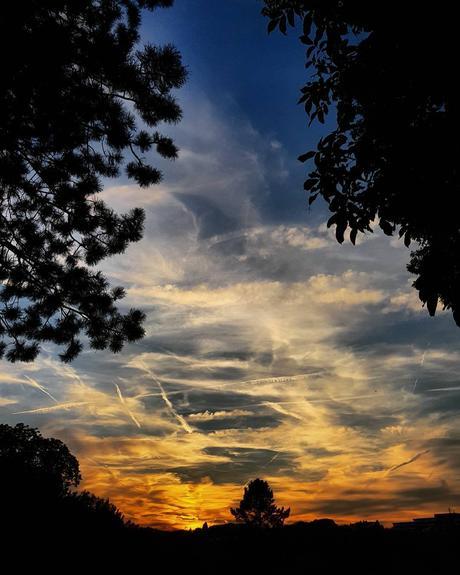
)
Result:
{"points": [[271, 351]]}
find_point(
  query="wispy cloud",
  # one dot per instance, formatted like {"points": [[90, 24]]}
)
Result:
{"points": [[269, 350], [280, 409], [185, 426]]}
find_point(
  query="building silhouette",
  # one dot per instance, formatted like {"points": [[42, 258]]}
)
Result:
{"points": [[439, 522]]}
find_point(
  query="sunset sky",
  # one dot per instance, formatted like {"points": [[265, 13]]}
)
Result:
{"points": [[271, 351]]}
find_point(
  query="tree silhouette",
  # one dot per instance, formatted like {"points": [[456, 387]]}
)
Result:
{"points": [[36, 473], [94, 512], [29, 458], [38, 477], [385, 70], [78, 92], [257, 508]]}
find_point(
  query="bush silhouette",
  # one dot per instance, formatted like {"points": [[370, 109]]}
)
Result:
{"points": [[257, 508]]}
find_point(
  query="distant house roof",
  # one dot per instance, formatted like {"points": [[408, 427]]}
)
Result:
{"points": [[439, 520]]}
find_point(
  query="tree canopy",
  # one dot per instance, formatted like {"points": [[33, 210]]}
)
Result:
{"points": [[80, 102], [385, 70], [38, 481], [34, 466], [257, 508]]}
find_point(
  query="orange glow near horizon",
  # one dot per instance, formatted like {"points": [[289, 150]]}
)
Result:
{"points": [[163, 500], [297, 381], [271, 351]]}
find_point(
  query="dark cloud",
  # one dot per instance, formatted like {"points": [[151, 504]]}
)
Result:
{"points": [[210, 400], [121, 431], [370, 468], [392, 333], [242, 422], [244, 464], [355, 492], [422, 495], [210, 218], [229, 246], [445, 404], [188, 401], [364, 506], [169, 342], [261, 358], [238, 354], [321, 452], [446, 450], [374, 503], [369, 422]]}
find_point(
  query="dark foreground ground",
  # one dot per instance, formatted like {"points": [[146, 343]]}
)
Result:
{"points": [[316, 548]]}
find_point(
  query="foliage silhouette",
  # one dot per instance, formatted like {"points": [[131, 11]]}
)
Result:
{"points": [[78, 94], [386, 69], [257, 508], [38, 477], [85, 508], [44, 519], [31, 464]]}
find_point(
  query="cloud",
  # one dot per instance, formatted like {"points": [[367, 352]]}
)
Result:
{"points": [[280, 409], [270, 351], [6, 401], [183, 423]]}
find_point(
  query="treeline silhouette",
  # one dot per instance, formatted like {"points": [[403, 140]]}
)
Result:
{"points": [[46, 522]]}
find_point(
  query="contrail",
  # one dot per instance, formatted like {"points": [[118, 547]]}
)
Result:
{"points": [[125, 405], [422, 362], [283, 378], [277, 407], [62, 370], [304, 399], [178, 416], [339, 398], [411, 460], [174, 355], [185, 426], [273, 458], [269, 461], [52, 408], [187, 361], [34, 383], [156, 394], [423, 358], [456, 388]]}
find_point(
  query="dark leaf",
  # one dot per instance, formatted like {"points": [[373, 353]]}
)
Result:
{"points": [[340, 230], [353, 234], [307, 156], [272, 25], [310, 183], [431, 304]]}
